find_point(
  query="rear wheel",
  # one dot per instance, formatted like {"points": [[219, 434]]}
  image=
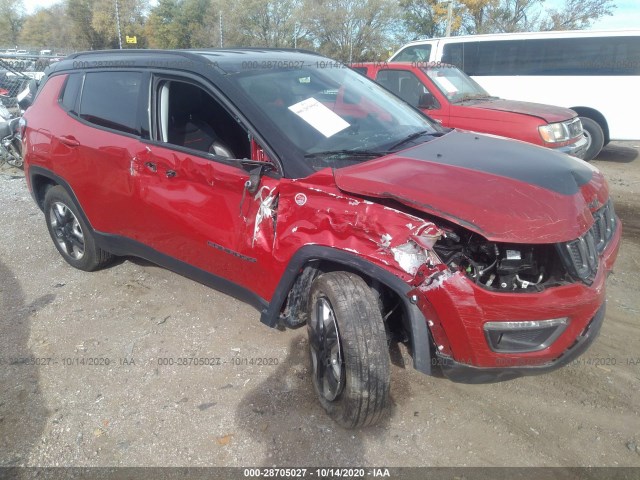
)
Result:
{"points": [[71, 235], [595, 137], [348, 346]]}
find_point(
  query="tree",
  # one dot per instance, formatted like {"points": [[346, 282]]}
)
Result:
{"points": [[352, 30], [84, 35], [477, 16], [424, 18], [514, 16], [131, 13], [577, 14], [175, 23], [48, 27], [11, 19], [266, 23]]}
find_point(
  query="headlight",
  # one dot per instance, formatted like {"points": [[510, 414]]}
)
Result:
{"points": [[554, 132]]}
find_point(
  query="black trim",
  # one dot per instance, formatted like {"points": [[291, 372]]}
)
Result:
{"points": [[463, 373], [231, 252], [416, 323], [125, 246], [35, 170], [520, 161]]}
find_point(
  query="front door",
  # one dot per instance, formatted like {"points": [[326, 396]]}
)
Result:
{"points": [[194, 200]]}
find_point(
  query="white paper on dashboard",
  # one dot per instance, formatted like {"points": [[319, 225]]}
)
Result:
{"points": [[446, 84], [319, 117]]}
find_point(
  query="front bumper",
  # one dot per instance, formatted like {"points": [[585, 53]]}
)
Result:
{"points": [[577, 149], [459, 372], [457, 310]]}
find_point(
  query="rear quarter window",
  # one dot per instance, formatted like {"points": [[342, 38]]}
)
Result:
{"points": [[69, 94], [110, 99]]}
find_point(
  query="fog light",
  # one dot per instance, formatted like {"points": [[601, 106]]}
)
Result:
{"points": [[526, 336]]}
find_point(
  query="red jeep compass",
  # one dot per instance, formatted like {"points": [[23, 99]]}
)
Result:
{"points": [[454, 99], [314, 194]]}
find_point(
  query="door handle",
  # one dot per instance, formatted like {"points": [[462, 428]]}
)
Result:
{"points": [[151, 166], [69, 141]]}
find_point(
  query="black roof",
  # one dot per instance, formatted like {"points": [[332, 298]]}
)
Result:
{"points": [[228, 59], [219, 67]]}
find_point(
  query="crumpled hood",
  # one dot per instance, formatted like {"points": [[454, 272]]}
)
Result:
{"points": [[507, 191], [548, 113]]}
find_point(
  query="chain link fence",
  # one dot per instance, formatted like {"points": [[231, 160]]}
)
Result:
{"points": [[15, 73]]}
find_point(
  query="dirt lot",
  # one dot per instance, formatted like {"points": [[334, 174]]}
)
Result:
{"points": [[135, 412]]}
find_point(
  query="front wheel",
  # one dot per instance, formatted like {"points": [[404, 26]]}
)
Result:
{"points": [[595, 137], [348, 347]]}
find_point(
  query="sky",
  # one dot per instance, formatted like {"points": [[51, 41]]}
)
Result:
{"points": [[626, 15]]}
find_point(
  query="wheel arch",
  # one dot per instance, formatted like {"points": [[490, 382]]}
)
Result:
{"points": [[41, 179], [312, 260], [597, 117]]}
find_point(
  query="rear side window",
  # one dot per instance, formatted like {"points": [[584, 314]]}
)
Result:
{"points": [[110, 99], [70, 92]]}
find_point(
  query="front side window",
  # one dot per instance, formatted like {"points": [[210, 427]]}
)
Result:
{"points": [[190, 117], [404, 84], [110, 99]]}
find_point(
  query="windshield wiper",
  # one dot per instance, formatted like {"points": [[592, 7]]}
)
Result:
{"points": [[352, 153], [413, 136]]}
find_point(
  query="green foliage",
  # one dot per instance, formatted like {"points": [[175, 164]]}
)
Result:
{"points": [[48, 28], [11, 20], [348, 30]]}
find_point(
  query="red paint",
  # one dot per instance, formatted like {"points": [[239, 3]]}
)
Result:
{"points": [[205, 203], [507, 118], [502, 209]]}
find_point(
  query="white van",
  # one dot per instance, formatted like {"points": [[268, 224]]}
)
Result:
{"points": [[595, 73]]}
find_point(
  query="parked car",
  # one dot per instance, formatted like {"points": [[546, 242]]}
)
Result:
{"points": [[451, 97], [322, 199]]}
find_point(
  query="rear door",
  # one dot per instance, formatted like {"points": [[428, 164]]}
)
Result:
{"points": [[93, 144]]}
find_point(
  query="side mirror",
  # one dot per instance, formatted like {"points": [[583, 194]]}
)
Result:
{"points": [[427, 101]]}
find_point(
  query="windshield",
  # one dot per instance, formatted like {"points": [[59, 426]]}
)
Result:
{"points": [[455, 84], [333, 116]]}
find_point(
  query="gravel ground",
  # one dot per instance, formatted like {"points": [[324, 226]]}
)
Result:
{"points": [[136, 411]]}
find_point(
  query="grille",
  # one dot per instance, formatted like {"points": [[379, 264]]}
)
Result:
{"points": [[574, 127], [581, 255], [604, 226]]}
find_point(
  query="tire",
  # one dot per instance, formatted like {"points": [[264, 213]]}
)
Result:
{"points": [[352, 338], [595, 136], [70, 234]]}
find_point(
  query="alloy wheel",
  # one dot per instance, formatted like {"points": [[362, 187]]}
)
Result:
{"points": [[326, 352], [67, 230]]}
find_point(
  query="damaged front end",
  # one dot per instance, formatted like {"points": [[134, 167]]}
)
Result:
{"points": [[512, 278], [503, 267], [499, 310]]}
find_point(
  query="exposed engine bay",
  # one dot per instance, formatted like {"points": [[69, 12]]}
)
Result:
{"points": [[497, 266]]}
